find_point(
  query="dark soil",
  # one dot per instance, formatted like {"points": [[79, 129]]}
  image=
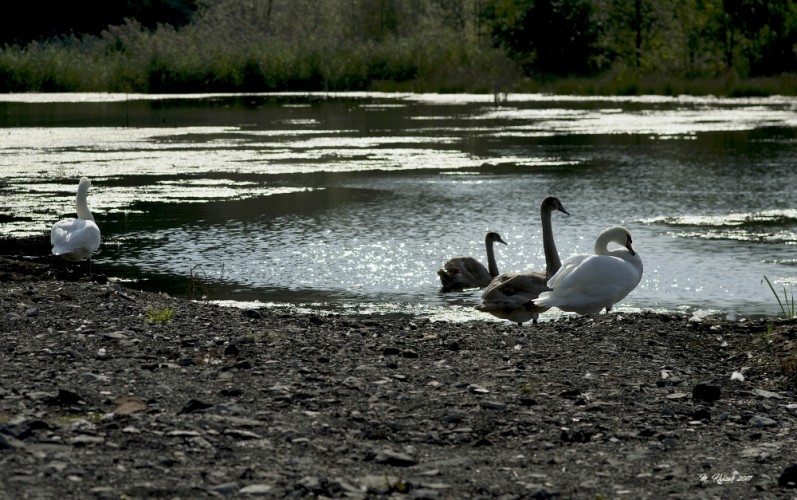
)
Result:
{"points": [[102, 396]]}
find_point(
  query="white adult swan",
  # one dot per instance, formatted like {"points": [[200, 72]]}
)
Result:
{"points": [[459, 273], [509, 295], [77, 239], [589, 283]]}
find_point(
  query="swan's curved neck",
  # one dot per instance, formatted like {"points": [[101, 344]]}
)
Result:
{"points": [[81, 205], [492, 266], [552, 262], [602, 244]]}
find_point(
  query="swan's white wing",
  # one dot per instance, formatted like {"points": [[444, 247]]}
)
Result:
{"points": [[75, 239], [568, 266], [588, 284]]}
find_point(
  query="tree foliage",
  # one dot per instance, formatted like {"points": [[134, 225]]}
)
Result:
{"points": [[686, 37], [42, 20], [449, 45]]}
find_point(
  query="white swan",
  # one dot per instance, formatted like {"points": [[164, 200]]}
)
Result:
{"points": [[589, 283], [459, 273], [77, 239], [509, 295]]}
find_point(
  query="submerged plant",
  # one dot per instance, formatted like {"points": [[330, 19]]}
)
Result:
{"points": [[786, 307], [199, 285]]}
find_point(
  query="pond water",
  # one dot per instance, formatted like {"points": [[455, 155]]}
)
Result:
{"points": [[353, 201]]}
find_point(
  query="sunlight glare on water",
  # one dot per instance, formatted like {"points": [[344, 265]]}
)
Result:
{"points": [[350, 202]]}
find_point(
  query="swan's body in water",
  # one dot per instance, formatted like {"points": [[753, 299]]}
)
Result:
{"points": [[509, 295], [459, 273], [77, 239], [589, 283]]}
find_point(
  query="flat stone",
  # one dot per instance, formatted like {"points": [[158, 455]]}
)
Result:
{"points": [[256, 490], [242, 434], [84, 440], [391, 457], [378, 482], [114, 336], [182, 433], [128, 404], [759, 421], [493, 405], [10, 442], [225, 489], [766, 394]]}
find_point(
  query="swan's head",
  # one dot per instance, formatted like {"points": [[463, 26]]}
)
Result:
{"points": [[81, 205], [494, 238], [551, 204], [83, 186], [616, 234], [628, 243]]}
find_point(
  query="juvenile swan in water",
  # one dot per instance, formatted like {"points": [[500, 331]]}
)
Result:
{"points": [[77, 239], [509, 295], [459, 273], [588, 283]]}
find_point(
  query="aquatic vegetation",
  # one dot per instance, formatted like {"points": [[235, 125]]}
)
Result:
{"points": [[786, 307], [200, 286]]}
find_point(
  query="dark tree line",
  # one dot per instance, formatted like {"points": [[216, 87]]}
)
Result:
{"points": [[42, 20], [350, 43], [699, 36]]}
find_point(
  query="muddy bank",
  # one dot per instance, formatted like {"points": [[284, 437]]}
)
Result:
{"points": [[107, 391]]}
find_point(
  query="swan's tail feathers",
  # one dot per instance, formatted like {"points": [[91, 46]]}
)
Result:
{"points": [[63, 251], [517, 312], [545, 299], [72, 254]]}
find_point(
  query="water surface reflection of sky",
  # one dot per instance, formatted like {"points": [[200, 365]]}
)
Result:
{"points": [[354, 200]]}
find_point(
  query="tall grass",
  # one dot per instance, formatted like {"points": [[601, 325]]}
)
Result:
{"points": [[786, 307], [203, 59]]}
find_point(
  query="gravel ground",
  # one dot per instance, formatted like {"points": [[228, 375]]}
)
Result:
{"points": [[103, 395]]}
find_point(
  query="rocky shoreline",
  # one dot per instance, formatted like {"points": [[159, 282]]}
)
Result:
{"points": [[108, 392]]}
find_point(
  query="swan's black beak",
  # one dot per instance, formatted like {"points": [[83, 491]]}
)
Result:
{"points": [[562, 209], [499, 240], [629, 247]]}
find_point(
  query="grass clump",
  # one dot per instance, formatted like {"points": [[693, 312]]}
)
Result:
{"points": [[787, 304], [269, 336], [163, 316], [200, 286]]}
